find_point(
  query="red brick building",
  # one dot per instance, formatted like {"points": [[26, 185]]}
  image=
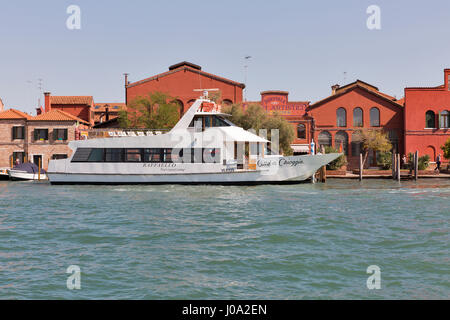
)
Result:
{"points": [[180, 82], [427, 118], [350, 108], [79, 106], [277, 102]]}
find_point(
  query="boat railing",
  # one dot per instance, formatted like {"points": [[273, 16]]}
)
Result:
{"points": [[116, 132]]}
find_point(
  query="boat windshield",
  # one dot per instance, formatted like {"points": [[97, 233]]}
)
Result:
{"points": [[208, 121]]}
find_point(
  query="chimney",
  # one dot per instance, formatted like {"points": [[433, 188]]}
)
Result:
{"points": [[447, 79], [38, 111], [2, 106], [334, 88], [107, 113], [48, 105]]}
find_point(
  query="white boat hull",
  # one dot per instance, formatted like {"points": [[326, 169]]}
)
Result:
{"points": [[269, 170], [22, 175]]}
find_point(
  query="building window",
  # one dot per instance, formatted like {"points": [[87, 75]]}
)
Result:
{"points": [[374, 117], [59, 134], [341, 117], [301, 131], [430, 119], [18, 157], [324, 139], [444, 120], [18, 133], [40, 134], [393, 138], [341, 139], [358, 117], [357, 145], [59, 156]]}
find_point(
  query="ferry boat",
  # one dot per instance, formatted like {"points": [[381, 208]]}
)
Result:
{"points": [[204, 147]]}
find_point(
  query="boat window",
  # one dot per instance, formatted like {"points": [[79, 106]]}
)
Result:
{"points": [[220, 122], [96, 155], [207, 121], [152, 155], [133, 155], [211, 155], [114, 155], [167, 155], [81, 155]]}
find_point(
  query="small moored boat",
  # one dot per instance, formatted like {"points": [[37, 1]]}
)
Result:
{"points": [[27, 171]]}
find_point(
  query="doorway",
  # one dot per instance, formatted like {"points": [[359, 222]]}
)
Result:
{"points": [[37, 160]]}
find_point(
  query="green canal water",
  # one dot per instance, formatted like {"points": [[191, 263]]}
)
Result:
{"points": [[214, 242]]}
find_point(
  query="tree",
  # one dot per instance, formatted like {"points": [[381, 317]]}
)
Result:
{"points": [[255, 117], [339, 162], [156, 111], [446, 149], [375, 140]]}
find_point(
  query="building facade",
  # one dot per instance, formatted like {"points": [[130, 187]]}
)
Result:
{"points": [[277, 102], [427, 118], [180, 82], [350, 108], [38, 139]]}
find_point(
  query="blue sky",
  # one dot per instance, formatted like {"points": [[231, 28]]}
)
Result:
{"points": [[300, 46]]}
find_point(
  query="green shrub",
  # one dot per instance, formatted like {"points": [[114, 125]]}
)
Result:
{"points": [[339, 162], [424, 161], [384, 160]]}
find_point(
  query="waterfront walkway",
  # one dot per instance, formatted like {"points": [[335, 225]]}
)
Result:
{"points": [[387, 175]]}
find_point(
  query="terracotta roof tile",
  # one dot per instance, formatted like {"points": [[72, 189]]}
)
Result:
{"points": [[14, 114], [57, 115], [72, 100]]}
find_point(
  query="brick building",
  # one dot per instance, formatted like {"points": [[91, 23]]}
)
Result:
{"points": [[276, 101], [350, 108], [180, 82], [36, 139], [427, 118], [79, 106]]}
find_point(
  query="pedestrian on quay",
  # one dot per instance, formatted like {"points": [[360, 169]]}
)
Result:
{"points": [[438, 163], [404, 162]]}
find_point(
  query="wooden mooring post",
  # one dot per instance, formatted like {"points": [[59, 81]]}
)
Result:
{"points": [[398, 167], [416, 164], [360, 167], [39, 169]]}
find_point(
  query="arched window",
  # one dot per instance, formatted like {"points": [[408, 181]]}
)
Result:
{"points": [[358, 117], [374, 117], [341, 139], [180, 106], [430, 119], [357, 145], [444, 122], [341, 117], [301, 131], [190, 103], [227, 102], [324, 139]]}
